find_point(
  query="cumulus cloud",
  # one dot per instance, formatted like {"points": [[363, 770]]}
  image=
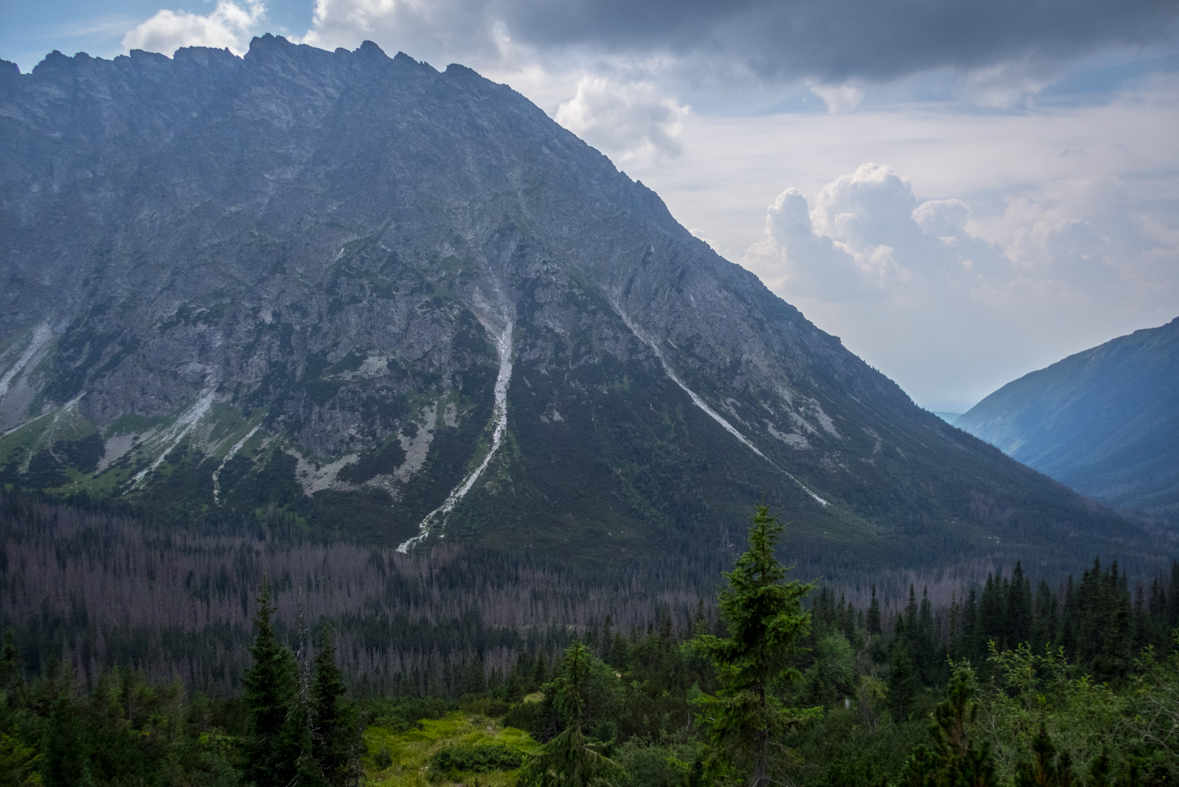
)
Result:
{"points": [[871, 261], [228, 26], [868, 236], [632, 122], [793, 257]]}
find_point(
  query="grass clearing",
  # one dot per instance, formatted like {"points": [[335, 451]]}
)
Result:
{"points": [[405, 755]]}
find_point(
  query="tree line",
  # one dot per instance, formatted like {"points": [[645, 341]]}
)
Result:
{"points": [[773, 694], [1014, 679]]}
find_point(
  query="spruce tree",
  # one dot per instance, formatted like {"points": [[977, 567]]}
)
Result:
{"points": [[1018, 609], [334, 719], [63, 751], [903, 675], [954, 760], [1045, 768], [874, 626], [925, 643], [571, 759], [765, 621], [270, 698], [971, 646]]}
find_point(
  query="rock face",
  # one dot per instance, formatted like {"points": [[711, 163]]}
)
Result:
{"points": [[374, 296], [1105, 421]]}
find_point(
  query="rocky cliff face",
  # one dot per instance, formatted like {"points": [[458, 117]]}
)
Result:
{"points": [[1104, 421], [384, 298]]}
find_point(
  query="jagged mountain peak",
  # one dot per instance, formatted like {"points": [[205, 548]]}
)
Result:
{"points": [[352, 287]]}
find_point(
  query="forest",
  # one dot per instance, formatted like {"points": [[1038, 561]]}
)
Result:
{"points": [[1016, 681]]}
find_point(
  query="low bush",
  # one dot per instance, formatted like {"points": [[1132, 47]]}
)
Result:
{"points": [[476, 759]]}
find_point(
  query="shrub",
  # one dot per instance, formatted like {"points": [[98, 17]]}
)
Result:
{"points": [[476, 759]]}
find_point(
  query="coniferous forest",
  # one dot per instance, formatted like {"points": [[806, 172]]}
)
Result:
{"points": [[1017, 680]]}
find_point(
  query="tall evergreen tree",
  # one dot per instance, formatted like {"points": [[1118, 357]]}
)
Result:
{"points": [[874, 625], [63, 750], [270, 698], [571, 759], [766, 622], [925, 643], [955, 759], [334, 719], [971, 636], [11, 680], [990, 613], [1018, 609], [1045, 768], [904, 678], [1044, 618]]}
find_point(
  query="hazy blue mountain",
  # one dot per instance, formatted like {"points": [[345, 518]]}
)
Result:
{"points": [[1104, 421], [368, 296]]}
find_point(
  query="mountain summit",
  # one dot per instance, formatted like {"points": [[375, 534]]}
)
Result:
{"points": [[393, 303], [1104, 421]]}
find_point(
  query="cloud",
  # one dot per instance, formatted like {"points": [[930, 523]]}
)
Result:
{"points": [[867, 235], [794, 258], [912, 285], [229, 26], [631, 122], [466, 30], [838, 98], [830, 42]]}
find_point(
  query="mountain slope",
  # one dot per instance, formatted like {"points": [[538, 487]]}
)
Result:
{"points": [[1104, 421], [383, 300]]}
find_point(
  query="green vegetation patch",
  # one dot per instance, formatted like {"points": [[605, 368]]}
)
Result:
{"points": [[82, 455], [133, 423], [476, 759], [407, 758], [382, 461], [15, 446]]}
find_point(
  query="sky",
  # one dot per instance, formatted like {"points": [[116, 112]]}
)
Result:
{"points": [[963, 191]]}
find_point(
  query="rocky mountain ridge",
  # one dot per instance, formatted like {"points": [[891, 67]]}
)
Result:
{"points": [[386, 299], [1104, 421]]}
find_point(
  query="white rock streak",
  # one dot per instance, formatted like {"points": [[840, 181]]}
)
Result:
{"points": [[728, 427], [500, 416], [40, 337], [177, 432], [232, 452]]}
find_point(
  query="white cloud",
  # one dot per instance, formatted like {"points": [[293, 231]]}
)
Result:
{"points": [[907, 283], [867, 236], [839, 98], [433, 30], [702, 235], [631, 122], [793, 258], [1007, 85], [229, 26]]}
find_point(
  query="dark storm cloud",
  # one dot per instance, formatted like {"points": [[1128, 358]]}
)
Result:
{"points": [[839, 39]]}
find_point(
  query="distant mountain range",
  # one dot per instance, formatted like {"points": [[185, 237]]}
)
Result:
{"points": [[390, 304], [1104, 421]]}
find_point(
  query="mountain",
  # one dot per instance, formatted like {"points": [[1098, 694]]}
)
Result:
{"points": [[1104, 421], [380, 302]]}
